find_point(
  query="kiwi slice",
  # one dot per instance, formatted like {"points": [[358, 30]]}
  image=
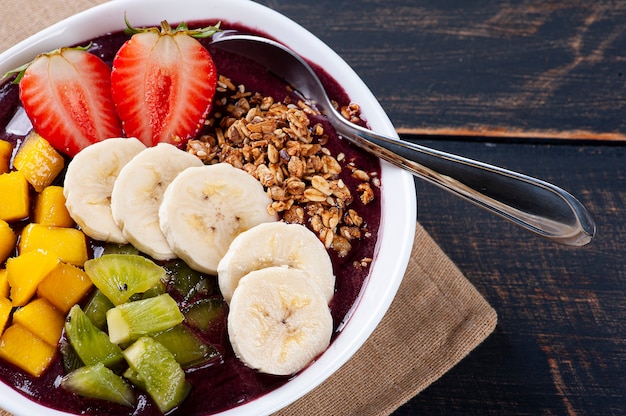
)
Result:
{"points": [[156, 369], [188, 349], [90, 343], [132, 376], [129, 321], [71, 360], [100, 382], [97, 307], [120, 276], [113, 248], [205, 313], [158, 289], [187, 282]]}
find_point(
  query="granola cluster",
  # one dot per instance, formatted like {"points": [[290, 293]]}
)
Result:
{"points": [[276, 143]]}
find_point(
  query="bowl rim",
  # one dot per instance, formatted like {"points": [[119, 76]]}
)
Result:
{"points": [[399, 206]]}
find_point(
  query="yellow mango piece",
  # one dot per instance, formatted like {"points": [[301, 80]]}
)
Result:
{"points": [[6, 150], [42, 319], [5, 313], [4, 283], [26, 271], [26, 350], [65, 286], [50, 208], [14, 190], [38, 161], [7, 241], [68, 244]]}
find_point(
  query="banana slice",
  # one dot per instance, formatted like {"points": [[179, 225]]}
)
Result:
{"points": [[278, 320], [206, 207], [138, 192], [276, 244], [89, 182]]}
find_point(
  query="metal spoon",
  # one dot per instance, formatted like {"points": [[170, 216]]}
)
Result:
{"points": [[536, 205]]}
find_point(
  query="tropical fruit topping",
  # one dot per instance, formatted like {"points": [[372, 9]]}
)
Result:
{"points": [[144, 237]]}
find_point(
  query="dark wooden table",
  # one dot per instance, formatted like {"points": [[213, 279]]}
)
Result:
{"points": [[535, 86]]}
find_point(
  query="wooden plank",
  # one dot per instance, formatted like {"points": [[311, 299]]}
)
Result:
{"points": [[559, 347], [549, 68]]}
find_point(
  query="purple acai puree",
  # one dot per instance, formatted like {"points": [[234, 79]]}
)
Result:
{"points": [[226, 383]]}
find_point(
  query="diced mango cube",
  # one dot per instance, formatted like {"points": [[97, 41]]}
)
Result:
{"points": [[50, 208], [65, 286], [15, 196], [5, 313], [26, 271], [7, 240], [42, 319], [26, 350], [6, 150], [4, 283], [69, 244], [39, 161]]}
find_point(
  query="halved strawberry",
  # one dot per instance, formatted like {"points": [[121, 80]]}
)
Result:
{"points": [[67, 96], [163, 83]]}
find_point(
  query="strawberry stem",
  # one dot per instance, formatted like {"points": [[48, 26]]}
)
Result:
{"points": [[203, 32], [199, 33], [20, 70]]}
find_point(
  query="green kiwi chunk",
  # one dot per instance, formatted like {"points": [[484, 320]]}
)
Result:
{"points": [[132, 376], [129, 321], [188, 349], [114, 248], [188, 282], [158, 372], [120, 276], [90, 343], [98, 381], [205, 312], [71, 360], [97, 307], [158, 289]]}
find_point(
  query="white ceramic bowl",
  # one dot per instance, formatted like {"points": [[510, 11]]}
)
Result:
{"points": [[398, 192]]}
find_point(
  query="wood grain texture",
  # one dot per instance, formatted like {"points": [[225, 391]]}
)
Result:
{"points": [[560, 346], [543, 66]]}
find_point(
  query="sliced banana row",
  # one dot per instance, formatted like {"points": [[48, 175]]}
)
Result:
{"points": [[115, 190], [277, 277], [278, 280]]}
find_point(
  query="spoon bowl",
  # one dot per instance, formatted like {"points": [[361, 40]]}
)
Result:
{"points": [[533, 204]]}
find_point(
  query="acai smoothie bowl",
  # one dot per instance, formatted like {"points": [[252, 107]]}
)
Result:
{"points": [[181, 232]]}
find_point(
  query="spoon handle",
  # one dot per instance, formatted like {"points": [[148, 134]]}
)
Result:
{"points": [[536, 205], [531, 203]]}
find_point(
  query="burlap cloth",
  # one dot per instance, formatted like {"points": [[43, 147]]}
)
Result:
{"points": [[436, 319]]}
